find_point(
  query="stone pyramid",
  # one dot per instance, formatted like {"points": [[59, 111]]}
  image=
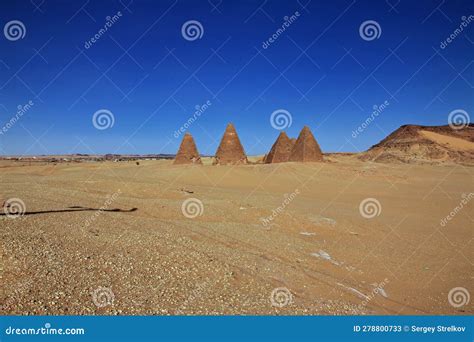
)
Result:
{"points": [[187, 153], [280, 151], [306, 149], [230, 150]]}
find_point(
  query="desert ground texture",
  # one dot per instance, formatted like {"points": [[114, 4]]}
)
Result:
{"points": [[117, 238]]}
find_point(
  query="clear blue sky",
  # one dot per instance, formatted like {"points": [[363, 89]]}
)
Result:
{"points": [[151, 78]]}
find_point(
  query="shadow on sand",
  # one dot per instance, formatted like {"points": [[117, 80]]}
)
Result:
{"points": [[74, 209]]}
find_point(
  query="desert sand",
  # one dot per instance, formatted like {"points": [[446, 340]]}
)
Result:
{"points": [[236, 251], [450, 142]]}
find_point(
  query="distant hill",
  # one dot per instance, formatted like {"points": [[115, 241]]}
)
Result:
{"points": [[425, 144]]}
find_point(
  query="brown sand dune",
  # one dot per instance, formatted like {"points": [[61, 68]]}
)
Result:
{"points": [[425, 144], [449, 142]]}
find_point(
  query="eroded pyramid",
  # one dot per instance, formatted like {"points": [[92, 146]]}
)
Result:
{"points": [[230, 150], [187, 153], [306, 149], [280, 151]]}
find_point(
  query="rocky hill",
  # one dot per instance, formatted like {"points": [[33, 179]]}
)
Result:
{"points": [[425, 144]]}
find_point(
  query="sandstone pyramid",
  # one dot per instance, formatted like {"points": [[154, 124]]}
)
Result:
{"points": [[280, 151], [306, 149], [187, 153], [230, 150]]}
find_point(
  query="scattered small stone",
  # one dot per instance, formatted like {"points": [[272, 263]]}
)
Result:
{"points": [[323, 220], [187, 191]]}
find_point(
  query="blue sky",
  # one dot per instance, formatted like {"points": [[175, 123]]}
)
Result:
{"points": [[320, 70]]}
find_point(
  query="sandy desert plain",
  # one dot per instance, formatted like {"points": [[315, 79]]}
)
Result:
{"points": [[119, 228]]}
